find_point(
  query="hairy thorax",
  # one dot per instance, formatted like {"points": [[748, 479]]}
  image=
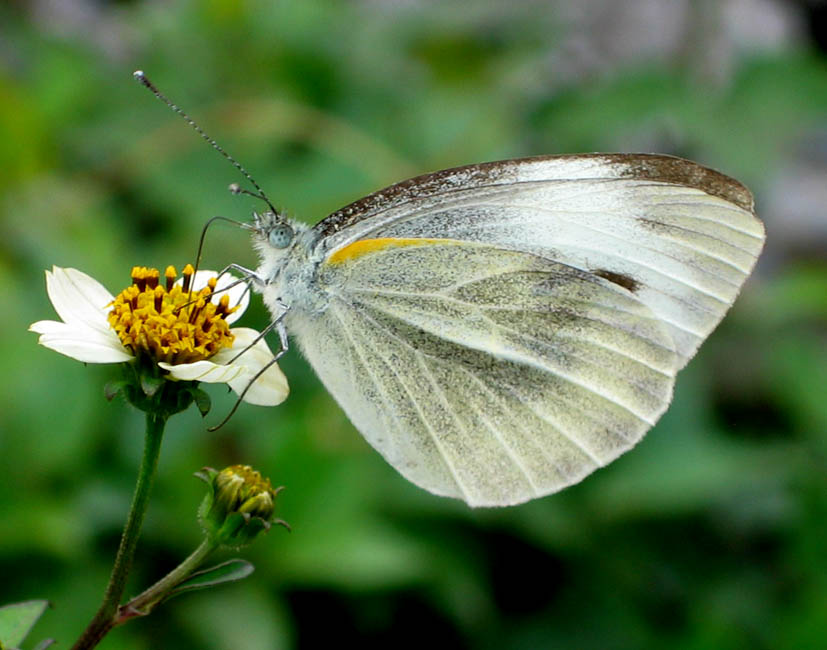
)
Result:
{"points": [[291, 275]]}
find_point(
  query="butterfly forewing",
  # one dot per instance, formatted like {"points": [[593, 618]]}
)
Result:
{"points": [[680, 236]]}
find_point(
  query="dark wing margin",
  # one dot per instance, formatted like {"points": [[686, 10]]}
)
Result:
{"points": [[638, 166]]}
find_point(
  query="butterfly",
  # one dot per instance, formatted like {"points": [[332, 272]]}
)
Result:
{"points": [[501, 330]]}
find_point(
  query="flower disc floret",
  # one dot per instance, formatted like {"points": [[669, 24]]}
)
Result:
{"points": [[171, 322]]}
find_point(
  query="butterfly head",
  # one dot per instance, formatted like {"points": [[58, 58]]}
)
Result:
{"points": [[273, 229], [276, 238]]}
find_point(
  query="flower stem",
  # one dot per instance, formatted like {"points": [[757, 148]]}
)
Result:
{"points": [[143, 604], [105, 618]]}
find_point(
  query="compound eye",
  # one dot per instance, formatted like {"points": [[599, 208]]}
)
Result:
{"points": [[280, 236]]}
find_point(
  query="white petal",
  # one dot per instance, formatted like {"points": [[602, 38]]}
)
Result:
{"points": [[243, 337], [208, 371], [47, 326], [78, 298], [239, 294], [270, 388], [79, 331], [80, 342]]}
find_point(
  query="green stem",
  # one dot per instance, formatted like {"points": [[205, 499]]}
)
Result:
{"points": [[145, 602], [105, 619]]}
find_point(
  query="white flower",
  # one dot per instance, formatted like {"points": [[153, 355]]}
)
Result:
{"points": [[180, 325]]}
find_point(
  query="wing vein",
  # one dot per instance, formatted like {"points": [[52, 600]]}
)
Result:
{"points": [[356, 348], [585, 360], [610, 235], [517, 422], [483, 308], [520, 359], [586, 414], [659, 318], [430, 294], [554, 425], [508, 451], [440, 296], [420, 414]]}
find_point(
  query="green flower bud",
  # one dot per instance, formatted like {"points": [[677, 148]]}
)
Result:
{"points": [[239, 506]]}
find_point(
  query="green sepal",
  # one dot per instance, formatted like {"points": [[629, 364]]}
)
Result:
{"points": [[202, 401], [45, 643], [240, 529], [150, 389], [254, 526], [206, 474], [232, 526], [151, 383], [17, 620], [114, 388], [229, 571]]}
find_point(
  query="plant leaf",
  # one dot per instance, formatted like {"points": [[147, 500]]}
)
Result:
{"points": [[229, 571], [17, 619]]}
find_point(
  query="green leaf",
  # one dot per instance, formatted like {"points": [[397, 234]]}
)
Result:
{"points": [[229, 571], [17, 619]]}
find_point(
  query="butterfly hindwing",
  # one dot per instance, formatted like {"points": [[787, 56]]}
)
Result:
{"points": [[491, 375]]}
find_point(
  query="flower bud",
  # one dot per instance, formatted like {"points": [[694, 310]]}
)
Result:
{"points": [[240, 505]]}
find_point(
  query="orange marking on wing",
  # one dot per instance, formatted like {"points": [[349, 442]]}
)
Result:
{"points": [[365, 246]]}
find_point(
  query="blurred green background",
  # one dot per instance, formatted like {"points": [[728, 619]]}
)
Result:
{"points": [[712, 533]]}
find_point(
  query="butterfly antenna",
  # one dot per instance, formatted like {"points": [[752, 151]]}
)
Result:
{"points": [[142, 78], [235, 188]]}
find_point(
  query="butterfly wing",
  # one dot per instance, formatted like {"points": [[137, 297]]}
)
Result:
{"points": [[498, 332], [682, 237]]}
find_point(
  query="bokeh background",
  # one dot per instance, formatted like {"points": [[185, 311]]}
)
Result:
{"points": [[712, 533]]}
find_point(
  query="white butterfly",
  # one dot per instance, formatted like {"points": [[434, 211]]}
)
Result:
{"points": [[499, 331]]}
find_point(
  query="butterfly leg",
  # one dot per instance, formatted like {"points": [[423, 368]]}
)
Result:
{"points": [[281, 329], [248, 275], [248, 279], [278, 325]]}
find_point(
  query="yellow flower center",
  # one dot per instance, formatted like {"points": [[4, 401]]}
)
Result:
{"points": [[170, 322]]}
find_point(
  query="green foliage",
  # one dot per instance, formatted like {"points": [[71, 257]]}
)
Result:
{"points": [[229, 571], [709, 534]]}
